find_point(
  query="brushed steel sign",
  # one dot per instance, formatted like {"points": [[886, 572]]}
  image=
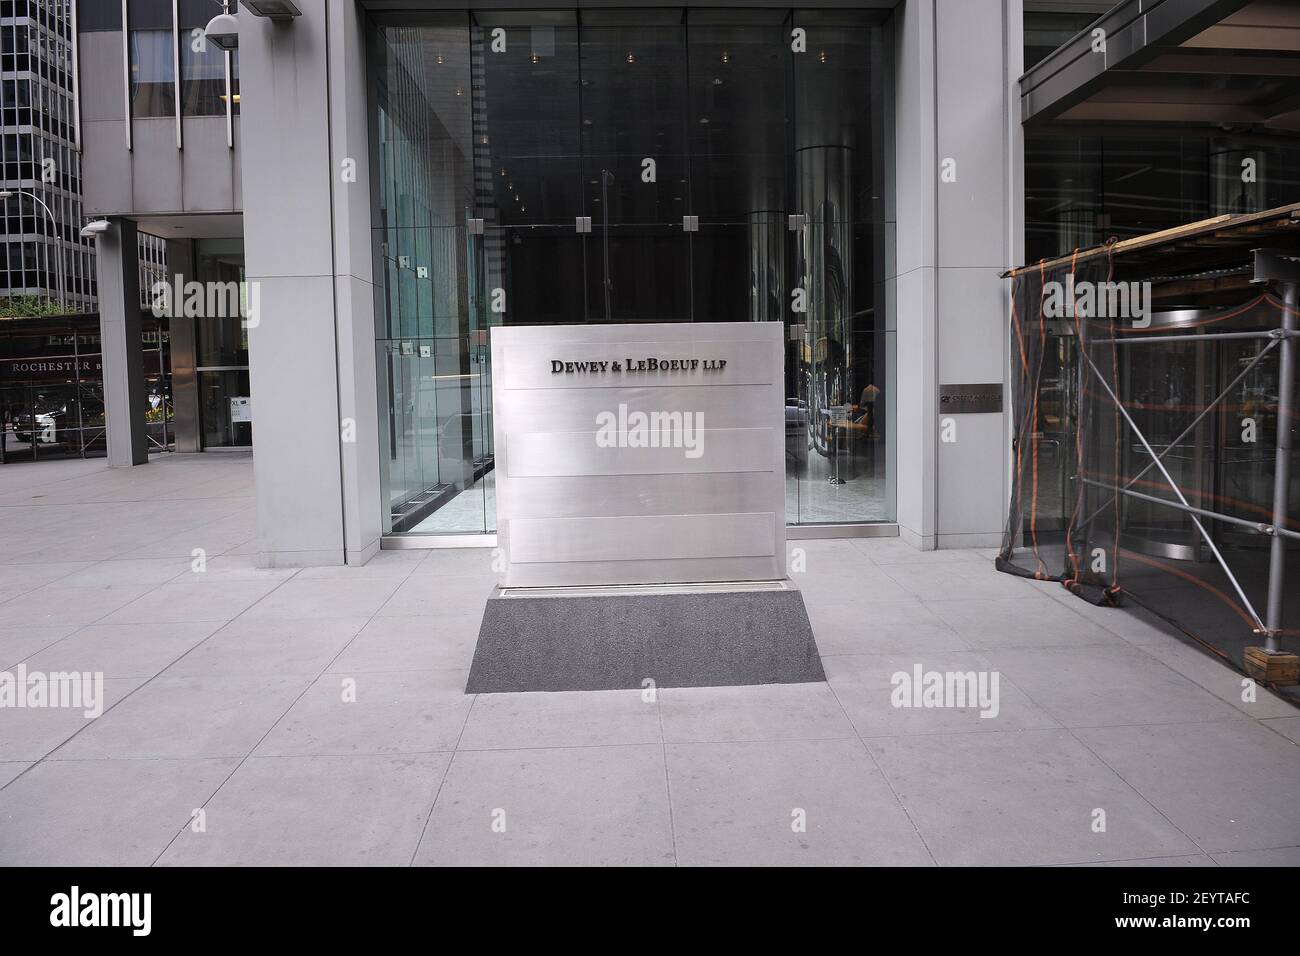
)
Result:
{"points": [[970, 399], [639, 454]]}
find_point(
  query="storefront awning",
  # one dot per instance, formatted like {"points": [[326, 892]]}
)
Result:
{"points": [[1212, 64]]}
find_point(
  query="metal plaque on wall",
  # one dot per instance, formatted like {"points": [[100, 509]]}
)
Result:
{"points": [[970, 399], [639, 454]]}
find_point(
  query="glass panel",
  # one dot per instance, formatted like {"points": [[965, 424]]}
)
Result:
{"points": [[526, 109], [843, 380], [495, 130], [234, 81], [203, 80], [203, 64], [153, 91], [221, 343], [635, 167], [429, 267], [638, 272], [436, 450], [51, 389], [221, 429], [740, 115], [221, 338]]}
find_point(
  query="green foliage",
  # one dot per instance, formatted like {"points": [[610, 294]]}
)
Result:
{"points": [[28, 306]]}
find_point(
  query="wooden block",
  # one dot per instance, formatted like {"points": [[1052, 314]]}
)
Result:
{"points": [[1272, 667]]}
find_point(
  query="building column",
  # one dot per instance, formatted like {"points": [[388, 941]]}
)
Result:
{"points": [[117, 266], [305, 152], [960, 224]]}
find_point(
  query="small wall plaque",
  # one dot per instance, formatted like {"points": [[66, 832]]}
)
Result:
{"points": [[970, 399]]}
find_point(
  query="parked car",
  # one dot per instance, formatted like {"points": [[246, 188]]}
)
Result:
{"points": [[52, 423]]}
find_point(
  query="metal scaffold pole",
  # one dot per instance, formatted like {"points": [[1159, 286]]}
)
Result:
{"points": [[1282, 466]]}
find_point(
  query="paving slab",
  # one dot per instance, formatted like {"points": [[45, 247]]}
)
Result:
{"points": [[315, 811], [383, 713], [1230, 785], [102, 812], [787, 803], [1023, 798], [561, 719], [769, 712], [583, 806], [189, 717]]}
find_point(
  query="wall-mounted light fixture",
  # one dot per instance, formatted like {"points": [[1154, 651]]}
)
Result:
{"points": [[272, 9], [222, 31]]}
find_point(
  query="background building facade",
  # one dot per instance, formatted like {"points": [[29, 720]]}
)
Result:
{"points": [[402, 162], [159, 123]]}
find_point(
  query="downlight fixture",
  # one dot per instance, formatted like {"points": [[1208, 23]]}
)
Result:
{"points": [[222, 31], [272, 9]]}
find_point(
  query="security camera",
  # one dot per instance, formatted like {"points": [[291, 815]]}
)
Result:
{"points": [[223, 31], [92, 230]]}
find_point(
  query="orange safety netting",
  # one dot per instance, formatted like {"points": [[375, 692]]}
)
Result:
{"points": [[1121, 444]]}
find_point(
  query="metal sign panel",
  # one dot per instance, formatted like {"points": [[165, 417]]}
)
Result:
{"points": [[639, 454], [970, 399]]}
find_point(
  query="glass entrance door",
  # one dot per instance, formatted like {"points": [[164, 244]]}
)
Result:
{"points": [[655, 165]]}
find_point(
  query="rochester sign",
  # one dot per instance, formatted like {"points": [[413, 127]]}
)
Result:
{"points": [[48, 366]]}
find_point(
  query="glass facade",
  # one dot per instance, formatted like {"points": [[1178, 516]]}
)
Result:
{"points": [[43, 259], [495, 131], [221, 349], [52, 389], [1085, 185]]}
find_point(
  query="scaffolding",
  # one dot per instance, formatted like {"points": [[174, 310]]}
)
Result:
{"points": [[1096, 395]]}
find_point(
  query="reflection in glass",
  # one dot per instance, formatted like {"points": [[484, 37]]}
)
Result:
{"points": [[203, 81], [153, 91], [221, 345], [496, 131], [51, 388]]}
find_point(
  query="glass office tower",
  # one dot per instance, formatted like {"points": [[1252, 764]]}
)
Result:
{"points": [[665, 165]]}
